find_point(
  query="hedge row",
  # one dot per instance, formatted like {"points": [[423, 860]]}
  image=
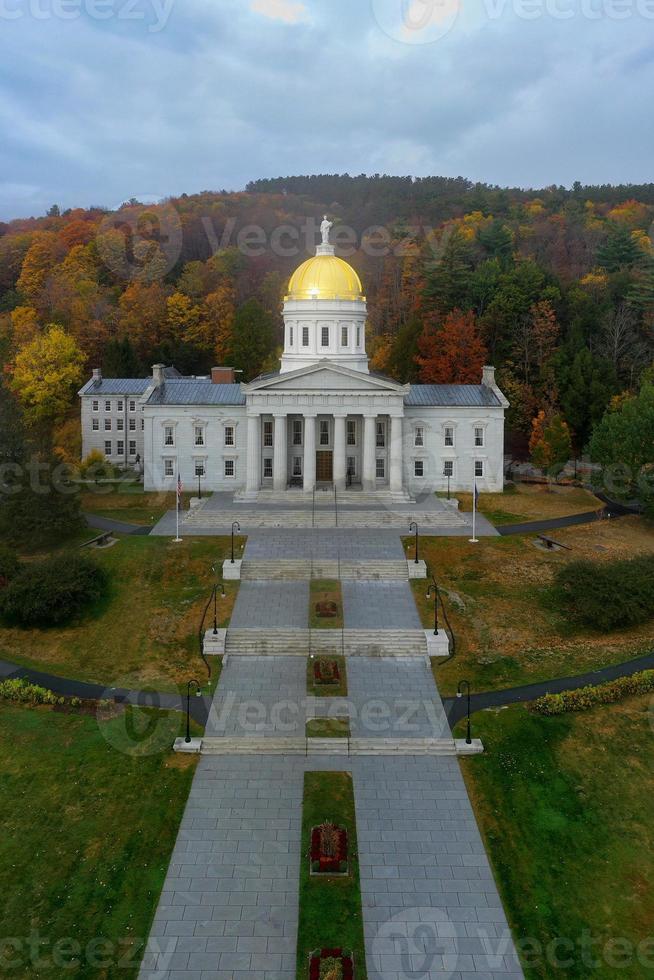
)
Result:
{"points": [[589, 697], [607, 595], [22, 692], [53, 591]]}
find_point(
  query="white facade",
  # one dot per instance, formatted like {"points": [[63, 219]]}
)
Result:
{"points": [[324, 419]]}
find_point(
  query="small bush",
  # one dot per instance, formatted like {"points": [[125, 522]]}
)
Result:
{"points": [[585, 698], [607, 595], [22, 692], [9, 565], [54, 591]]}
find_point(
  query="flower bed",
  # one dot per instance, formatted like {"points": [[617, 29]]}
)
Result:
{"points": [[326, 671], [331, 964], [585, 698], [328, 850]]}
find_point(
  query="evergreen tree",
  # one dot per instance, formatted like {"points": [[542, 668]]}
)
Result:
{"points": [[253, 338], [120, 360], [447, 278], [587, 386], [624, 442], [619, 251], [402, 358], [497, 240]]}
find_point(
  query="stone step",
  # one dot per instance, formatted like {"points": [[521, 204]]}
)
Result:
{"points": [[251, 518], [324, 498], [297, 570], [297, 745], [241, 642]]}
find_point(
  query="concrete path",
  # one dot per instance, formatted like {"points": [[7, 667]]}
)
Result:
{"points": [[120, 527], [326, 545], [260, 696], [379, 606], [271, 604]]}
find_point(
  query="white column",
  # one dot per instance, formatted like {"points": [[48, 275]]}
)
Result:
{"points": [[395, 452], [339, 452], [253, 479], [309, 452], [369, 452], [280, 463]]}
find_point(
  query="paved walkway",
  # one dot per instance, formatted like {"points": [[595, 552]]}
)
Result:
{"points": [[379, 606], [326, 545], [271, 604]]}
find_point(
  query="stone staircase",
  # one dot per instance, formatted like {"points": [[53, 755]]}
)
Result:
{"points": [[206, 517], [297, 745], [303, 642], [298, 570], [324, 498]]}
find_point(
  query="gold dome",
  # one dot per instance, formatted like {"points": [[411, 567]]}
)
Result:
{"points": [[325, 277]]}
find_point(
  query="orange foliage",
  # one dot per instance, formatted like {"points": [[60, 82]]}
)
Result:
{"points": [[451, 353]]}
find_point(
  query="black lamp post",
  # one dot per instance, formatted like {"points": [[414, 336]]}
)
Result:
{"points": [[188, 707], [436, 598], [236, 525], [459, 694], [413, 525], [199, 485], [448, 485]]}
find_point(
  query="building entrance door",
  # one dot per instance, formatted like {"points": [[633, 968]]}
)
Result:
{"points": [[324, 467]]}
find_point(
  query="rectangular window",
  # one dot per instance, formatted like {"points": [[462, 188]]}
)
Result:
{"points": [[132, 405], [107, 425], [268, 433], [96, 405], [344, 336], [290, 336], [169, 467], [479, 436], [324, 432], [351, 432], [297, 466], [358, 336], [120, 448], [449, 436], [419, 467], [107, 406], [305, 336], [169, 435], [297, 432], [324, 336], [229, 435], [132, 425], [479, 467], [381, 435], [107, 447], [419, 436], [142, 424], [120, 424], [132, 447], [199, 435], [199, 468], [96, 425], [268, 468], [121, 406], [448, 467], [380, 468]]}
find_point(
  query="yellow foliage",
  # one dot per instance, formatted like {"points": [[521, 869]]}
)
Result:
{"points": [[24, 325], [45, 375]]}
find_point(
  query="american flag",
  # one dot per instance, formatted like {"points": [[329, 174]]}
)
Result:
{"points": [[179, 489]]}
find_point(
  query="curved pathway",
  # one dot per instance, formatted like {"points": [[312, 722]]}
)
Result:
{"points": [[120, 527]]}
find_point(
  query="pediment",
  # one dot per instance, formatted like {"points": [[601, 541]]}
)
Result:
{"points": [[326, 376]]}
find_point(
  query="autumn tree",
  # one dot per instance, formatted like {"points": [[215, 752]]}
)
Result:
{"points": [[40, 259], [451, 353], [253, 338], [550, 445], [46, 374]]}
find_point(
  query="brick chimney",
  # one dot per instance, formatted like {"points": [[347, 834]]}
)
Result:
{"points": [[158, 376], [222, 376], [488, 377], [97, 376]]}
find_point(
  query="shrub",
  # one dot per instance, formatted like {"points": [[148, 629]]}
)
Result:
{"points": [[585, 698], [54, 591], [95, 466], [607, 595], [22, 692], [9, 565]]}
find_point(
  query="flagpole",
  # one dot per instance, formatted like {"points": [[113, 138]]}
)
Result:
{"points": [[474, 539], [177, 496]]}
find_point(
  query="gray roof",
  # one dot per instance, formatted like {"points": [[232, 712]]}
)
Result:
{"points": [[196, 392], [459, 396], [116, 386]]}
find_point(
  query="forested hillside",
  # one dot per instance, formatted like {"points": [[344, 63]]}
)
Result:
{"points": [[554, 287]]}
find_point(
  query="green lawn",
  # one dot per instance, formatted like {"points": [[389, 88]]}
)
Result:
{"points": [[532, 502], [129, 503], [146, 632], [325, 591], [330, 908], [86, 832], [566, 808], [507, 630]]}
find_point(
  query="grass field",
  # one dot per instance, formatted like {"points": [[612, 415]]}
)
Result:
{"points": [[531, 502], [330, 908], [496, 596], [145, 632], [86, 833], [566, 808], [130, 503]]}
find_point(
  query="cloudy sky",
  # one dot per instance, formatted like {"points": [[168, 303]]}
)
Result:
{"points": [[102, 100]]}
